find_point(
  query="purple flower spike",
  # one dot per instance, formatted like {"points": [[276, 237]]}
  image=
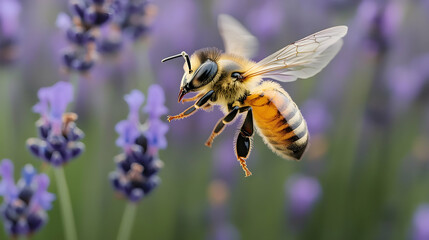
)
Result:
{"points": [[41, 196], [155, 102], [61, 94], [135, 99], [7, 185], [42, 107], [27, 174], [128, 130], [128, 133], [155, 108], [137, 167], [156, 134], [59, 137], [302, 193], [25, 212]]}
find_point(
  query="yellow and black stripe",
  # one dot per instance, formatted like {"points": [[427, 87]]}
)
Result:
{"points": [[279, 120]]}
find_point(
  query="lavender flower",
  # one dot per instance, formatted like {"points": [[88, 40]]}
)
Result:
{"points": [[421, 223], [302, 193], [99, 26], [137, 167], [131, 21], [81, 33], [156, 129], [134, 17], [384, 26], [25, 204], [9, 26], [59, 138]]}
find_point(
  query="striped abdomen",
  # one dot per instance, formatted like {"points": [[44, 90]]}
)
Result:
{"points": [[279, 120]]}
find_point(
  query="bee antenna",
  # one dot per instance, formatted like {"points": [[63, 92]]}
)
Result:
{"points": [[182, 54], [172, 57], [188, 61]]}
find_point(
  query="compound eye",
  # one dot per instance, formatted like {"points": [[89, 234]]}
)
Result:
{"points": [[205, 74], [206, 71], [236, 75]]}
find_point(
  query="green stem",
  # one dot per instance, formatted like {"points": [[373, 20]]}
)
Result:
{"points": [[127, 221], [66, 207]]}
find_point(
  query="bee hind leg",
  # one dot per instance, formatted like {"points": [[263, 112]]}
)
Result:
{"points": [[244, 142], [191, 110]]}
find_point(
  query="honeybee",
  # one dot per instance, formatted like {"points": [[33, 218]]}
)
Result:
{"points": [[240, 86]]}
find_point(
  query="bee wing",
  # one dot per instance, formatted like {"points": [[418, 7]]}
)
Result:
{"points": [[301, 59], [236, 38]]}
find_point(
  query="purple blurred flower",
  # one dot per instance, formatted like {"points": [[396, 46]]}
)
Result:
{"points": [[406, 82], [134, 100], [317, 116], [129, 130], [60, 95], [42, 107], [110, 40], [131, 21], [102, 27], [7, 186], [302, 193], [155, 102], [384, 25], [155, 108], [59, 138], [81, 32], [25, 204], [9, 27], [421, 223], [9, 17], [155, 134], [63, 22], [137, 167], [134, 17]]}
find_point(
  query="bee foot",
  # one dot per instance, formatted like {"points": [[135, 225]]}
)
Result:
{"points": [[210, 141], [170, 118], [244, 166]]}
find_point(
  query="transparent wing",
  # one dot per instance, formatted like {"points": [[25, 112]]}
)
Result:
{"points": [[301, 59], [236, 38]]}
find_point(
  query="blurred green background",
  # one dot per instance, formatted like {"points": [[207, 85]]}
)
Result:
{"points": [[367, 111]]}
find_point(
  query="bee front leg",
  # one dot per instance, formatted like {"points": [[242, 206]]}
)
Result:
{"points": [[194, 98], [224, 121], [244, 141], [191, 110]]}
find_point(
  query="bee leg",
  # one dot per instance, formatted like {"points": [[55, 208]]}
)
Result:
{"points": [[207, 107], [244, 140], [223, 122], [194, 98], [191, 110]]}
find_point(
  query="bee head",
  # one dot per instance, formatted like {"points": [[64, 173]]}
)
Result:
{"points": [[199, 71]]}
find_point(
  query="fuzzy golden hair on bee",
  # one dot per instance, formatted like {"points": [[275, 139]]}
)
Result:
{"points": [[239, 86]]}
